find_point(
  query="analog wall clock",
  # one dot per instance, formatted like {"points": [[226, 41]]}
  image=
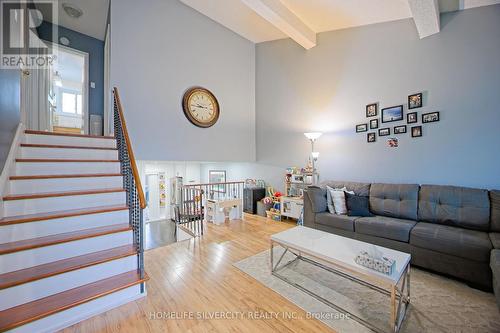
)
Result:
{"points": [[200, 107]]}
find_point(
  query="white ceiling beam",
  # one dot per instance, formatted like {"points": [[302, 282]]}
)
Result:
{"points": [[276, 13], [426, 16]]}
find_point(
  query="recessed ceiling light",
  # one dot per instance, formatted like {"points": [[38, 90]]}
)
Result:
{"points": [[72, 10]]}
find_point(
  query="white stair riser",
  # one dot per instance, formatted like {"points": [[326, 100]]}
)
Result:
{"points": [[32, 291], [65, 168], [91, 154], [69, 141], [45, 205], [32, 186], [73, 315], [23, 259], [21, 231]]}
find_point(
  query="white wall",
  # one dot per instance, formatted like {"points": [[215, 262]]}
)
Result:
{"points": [[272, 175], [160, 48]]}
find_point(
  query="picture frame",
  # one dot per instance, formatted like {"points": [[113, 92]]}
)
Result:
{"points": [[371, 137], [416, 131], [372, 110], [411, 118], [430, 117], [400, 129], [217, 176], [415, 101], [384, 131], [361, 128], [374, 124], [392, 113]]}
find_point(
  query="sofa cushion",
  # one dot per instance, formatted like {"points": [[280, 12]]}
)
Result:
{"points": [[495, 210], [362, 189], [385, 227], [495, 239], [343, 222], [317, 196], [459, 242], [394, 200], [455, 206], [357, 205]]}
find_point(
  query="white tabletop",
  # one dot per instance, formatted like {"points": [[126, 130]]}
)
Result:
{"points": [[340, 251]]}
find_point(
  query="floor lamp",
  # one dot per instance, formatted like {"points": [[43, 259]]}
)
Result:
{"points": [[313, 136]]}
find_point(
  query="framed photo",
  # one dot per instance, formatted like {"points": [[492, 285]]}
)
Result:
{"points": [[361, 128], [430, 117], [384, 131], [371, 110], [393, 113], [415, 101], [374, 124], [217, 176], [392, 142], [400, 129], [416, 131], [371, 137], [411, 118]]}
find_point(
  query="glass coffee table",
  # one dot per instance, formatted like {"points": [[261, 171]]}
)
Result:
{"points": [[336, 254]]}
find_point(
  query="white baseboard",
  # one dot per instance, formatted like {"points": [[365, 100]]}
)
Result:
{"points": [[82, 312]]}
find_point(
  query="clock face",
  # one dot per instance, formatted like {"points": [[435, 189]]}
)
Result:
{"points": [[201, 107]]}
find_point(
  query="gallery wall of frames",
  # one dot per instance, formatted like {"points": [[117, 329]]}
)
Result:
{"points": [[390, 120]]}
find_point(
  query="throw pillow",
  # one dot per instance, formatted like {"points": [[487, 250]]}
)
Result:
{"points": [[338, 198], [329, 199], [357, 205]]}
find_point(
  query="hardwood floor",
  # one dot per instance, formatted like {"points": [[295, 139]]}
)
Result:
{"points": [[198, 276]]}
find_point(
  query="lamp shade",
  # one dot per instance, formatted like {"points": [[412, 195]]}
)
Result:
{"points": [[313, 135]]}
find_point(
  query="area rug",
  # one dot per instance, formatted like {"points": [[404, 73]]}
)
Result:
{"points": [[438, 304]]}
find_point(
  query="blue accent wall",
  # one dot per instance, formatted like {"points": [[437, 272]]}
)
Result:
{"points": [[95, 48]]}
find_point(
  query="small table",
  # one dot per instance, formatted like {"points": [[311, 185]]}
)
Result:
{"points": [[339, 253]]}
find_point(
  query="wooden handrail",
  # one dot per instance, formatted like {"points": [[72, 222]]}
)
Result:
{"points": [[133, 164]]}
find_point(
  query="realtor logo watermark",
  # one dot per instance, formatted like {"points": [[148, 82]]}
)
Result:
{"points": [[20, 46]]}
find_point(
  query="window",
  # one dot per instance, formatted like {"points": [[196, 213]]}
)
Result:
{"points": [[71, 103]]}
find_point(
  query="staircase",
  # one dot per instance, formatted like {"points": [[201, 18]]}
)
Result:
{"points": [[71, 231]]}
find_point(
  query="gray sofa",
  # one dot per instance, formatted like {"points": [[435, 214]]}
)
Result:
{"points": [[451, 230]]}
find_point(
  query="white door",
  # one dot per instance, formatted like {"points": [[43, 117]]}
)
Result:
{"points": [[70, 81]]}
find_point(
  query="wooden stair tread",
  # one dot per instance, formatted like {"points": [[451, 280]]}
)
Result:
{"points": [[60, 214], [68, 134], [33, 145], [62, 160], [33, 243], [61, 194], [26, 313], [30, 274], [83, 175]]}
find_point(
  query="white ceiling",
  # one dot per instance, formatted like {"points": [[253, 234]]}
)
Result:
{"points": [[318, 15], [327, 15], [236, 16], [91, 23]]}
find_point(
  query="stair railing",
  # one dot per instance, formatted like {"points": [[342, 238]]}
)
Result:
{"points": [[189, 214], [136, 201]]}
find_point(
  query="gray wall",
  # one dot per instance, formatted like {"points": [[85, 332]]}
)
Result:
{"points": [[159, 50], [326, 89], [9, 110]]}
